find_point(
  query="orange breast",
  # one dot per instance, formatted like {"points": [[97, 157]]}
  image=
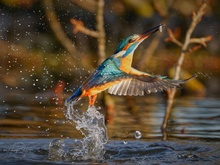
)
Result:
{"points": [[100, 88], [126, 63]]}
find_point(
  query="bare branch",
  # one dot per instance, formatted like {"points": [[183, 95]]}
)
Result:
{"points": [[79, 27], [195, 20], [196, 17], [201, 41], [57, 28], [172, 38], [101, 31], [194, 48], [99, 34]]}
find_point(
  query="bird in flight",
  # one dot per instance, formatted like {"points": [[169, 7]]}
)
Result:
{"points": [[118, 76]]}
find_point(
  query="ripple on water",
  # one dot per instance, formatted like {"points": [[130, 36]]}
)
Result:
{"points": [[175, 152]]}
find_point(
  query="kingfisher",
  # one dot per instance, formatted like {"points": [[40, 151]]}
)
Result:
{"points": [[118, 76]]}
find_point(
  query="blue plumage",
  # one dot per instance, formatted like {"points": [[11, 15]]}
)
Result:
{"points": [[117, 75]]}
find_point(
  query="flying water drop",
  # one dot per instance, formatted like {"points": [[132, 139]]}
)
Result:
{"points": [[137, 134]]}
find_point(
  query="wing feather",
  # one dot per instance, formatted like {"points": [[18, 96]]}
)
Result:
{"points": [[124, 89], [117, 88], [137, 85]]}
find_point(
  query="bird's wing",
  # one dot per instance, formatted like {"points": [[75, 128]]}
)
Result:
{"points": [[107, 72], [99, 79], [139, 84]]}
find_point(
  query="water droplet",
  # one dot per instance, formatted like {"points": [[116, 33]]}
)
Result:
{"points": [[137, 134]]}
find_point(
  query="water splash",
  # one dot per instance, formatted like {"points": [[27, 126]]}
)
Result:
{"points": [[92, 125], [56, 151]]}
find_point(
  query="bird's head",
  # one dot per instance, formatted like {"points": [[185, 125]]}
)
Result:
{"points": [[129, 44]]}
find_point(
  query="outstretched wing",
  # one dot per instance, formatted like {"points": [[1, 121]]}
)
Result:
{"points": [[138, 85], [106, 73]]}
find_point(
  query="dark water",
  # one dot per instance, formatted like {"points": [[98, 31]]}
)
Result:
{"points": [[193, 132], [35, 151]]}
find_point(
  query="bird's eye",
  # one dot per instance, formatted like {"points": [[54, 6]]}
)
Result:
{"points": [[132, 39]]}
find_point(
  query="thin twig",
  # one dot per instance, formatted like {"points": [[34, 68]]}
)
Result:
{"points": [[101, 31], [172, 38], [57, 28], [201, 41], [194, 48], [79, 27], [195, 20]]}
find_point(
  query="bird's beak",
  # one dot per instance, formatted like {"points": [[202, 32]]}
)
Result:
{"points": [[149, 32]]}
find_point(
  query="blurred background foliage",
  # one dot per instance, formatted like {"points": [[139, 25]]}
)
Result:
{"points": [[33, 60]]}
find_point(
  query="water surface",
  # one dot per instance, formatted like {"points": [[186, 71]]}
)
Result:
{"points": [[193, 132]]}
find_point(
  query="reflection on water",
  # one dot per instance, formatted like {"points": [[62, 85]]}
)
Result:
{"points": [[190, 118], [195, 120]]}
